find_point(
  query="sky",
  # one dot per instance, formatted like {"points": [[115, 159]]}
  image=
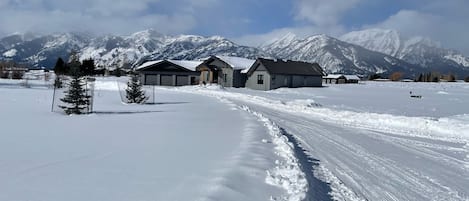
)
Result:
{"points": [[248, 22]]}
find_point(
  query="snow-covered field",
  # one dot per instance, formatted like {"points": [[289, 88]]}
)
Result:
{"points": [[184, 147], [367, 141]]}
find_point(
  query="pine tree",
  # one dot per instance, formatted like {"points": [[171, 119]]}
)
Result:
{"points": [[76, 97], [88, 67], [134, 91], [60, 67]]}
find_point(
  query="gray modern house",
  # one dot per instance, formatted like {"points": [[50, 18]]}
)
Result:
{"points": [[169, 72], [266, 74], [226, 71]]}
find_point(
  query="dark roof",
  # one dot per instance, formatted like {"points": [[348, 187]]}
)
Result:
{"points": [[289, 67]]}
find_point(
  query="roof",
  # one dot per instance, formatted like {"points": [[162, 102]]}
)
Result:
{"points": [[337, 76], [291, 67], [352, 77], [333, 76], [189, 65], [237, 63], [148, 64]]}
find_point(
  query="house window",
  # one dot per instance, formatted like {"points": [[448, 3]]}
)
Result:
{"points": [[273, 79], [224, 77], [260, 79]]}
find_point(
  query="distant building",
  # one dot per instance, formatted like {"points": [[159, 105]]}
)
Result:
{"points": [[266, 74], [169, 72], [340, 79], [226, 71]]}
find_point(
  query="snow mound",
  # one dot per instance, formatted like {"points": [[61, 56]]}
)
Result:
{"points": [[449, 128], [287, 174], [302, 103]]}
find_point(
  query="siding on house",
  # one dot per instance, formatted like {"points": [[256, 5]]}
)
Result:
{"points": [[230, 70], [168, 73], [279, 74], [252, 81]]}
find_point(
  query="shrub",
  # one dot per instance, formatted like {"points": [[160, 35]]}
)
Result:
{"points": [[396, 76]]}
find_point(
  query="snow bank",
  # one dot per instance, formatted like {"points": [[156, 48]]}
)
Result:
{"points": [[445, 127], [287, 173]]}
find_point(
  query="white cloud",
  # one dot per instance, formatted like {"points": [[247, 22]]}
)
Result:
{"points": [[301, 32], [323, 12], [318, 17], [99, 16], [441, 21], [60, 21]]}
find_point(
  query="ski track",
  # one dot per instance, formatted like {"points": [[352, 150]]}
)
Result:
{"points": [[370, 163]]}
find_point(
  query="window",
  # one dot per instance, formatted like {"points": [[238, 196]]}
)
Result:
{"points": [[224, 77], [273, 79], [260, 79]]}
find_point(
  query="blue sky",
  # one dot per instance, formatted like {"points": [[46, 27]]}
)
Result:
{"points": [[249, 22]]}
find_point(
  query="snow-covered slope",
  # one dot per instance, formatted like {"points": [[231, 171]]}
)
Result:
{"points": [[111, 51], [417, 50], [196, 47], [337, 56]]}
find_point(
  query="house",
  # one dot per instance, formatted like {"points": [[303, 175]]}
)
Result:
{"points": [[334, 79], [266, 74], [169, 72], [12, 72], [340, 79], [352, 79], [226, 71]]}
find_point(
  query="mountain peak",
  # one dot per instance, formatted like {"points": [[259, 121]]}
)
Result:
{"points": [[381, 40]]}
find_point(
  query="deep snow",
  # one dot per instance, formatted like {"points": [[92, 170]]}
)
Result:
{"points": [[365, 153], [184, 147], [369, 141]]}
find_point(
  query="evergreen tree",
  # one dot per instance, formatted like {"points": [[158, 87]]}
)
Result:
{"points": [[60, 67], [134, 91], [76, 97], [88, 67]]}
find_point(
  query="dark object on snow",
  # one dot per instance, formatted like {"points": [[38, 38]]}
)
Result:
{"points": [[415, 96]]}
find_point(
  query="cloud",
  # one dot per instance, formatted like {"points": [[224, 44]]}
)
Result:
{"points": [[323, 12], [300, 32], [312, 17], [98, 16], [441, 21]]}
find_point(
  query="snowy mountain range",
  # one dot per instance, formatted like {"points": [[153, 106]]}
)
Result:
{"points": [[111, 51], [363, 52], [337, 56], [415, 50]]}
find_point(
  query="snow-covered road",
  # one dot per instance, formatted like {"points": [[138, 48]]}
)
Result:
{"points": [[362, 161], [377, 165]]}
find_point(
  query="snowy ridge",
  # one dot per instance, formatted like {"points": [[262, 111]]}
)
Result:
{"points": [[113, 51], [415, 50], [336, 56], [385, 41]]}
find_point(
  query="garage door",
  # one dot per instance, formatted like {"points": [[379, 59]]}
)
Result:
{"points": [[151, 80], [166, 80], [182, 80]]}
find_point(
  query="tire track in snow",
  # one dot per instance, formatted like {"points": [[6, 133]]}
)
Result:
{"points": [[287, 173], [373, 164], [371, 172]]}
